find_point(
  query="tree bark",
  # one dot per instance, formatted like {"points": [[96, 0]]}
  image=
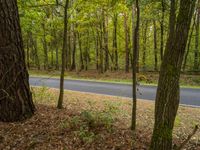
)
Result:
{"points": [[155, 47], [144, 46], [15, 97], [81, 52], [168, 92], [115, 51], [196, 52], [64, 50], [105, 37], [135, 39], [73, 66], [162, 30], [46, 59], [188, 45], [127, 49]]}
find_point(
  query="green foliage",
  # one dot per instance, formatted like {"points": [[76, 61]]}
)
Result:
{"points": [[85, 18]]}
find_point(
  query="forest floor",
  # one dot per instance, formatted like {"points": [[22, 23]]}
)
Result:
{"points": [[90, 121], [148, 78]]}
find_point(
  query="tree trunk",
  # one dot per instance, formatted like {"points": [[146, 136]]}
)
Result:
{"points": [[35, 50], [68, 50], [101, 70], [15, 97], [135, 59], [27, 54], [144, 45], [81, 53], [97, 51], [127, 49], [196, 52], [168, 92], [73, 66], [115, 51], [188, 45], [155, 47], [162, 30], [105, 35], [64, 50], [46, 59]]}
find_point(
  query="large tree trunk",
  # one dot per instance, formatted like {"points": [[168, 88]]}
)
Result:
{"points": [[15, 97], [167, 98]]}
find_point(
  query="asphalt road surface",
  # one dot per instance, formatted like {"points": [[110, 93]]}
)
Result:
{"points": [[189, 96]]}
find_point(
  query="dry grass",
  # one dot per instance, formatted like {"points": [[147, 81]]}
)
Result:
{"points": [[64, 129]]}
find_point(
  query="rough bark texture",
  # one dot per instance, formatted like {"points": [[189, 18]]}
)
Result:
{"points": [[15, 97], [167, 98]]}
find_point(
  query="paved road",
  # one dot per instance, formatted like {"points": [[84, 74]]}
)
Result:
{"points": [[188, 96]]}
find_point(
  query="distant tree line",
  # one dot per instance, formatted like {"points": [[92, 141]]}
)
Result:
{"points": [[99, 35]]}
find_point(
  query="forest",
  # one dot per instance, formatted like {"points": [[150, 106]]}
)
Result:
{"points": [[100, 35], [99, 74]]}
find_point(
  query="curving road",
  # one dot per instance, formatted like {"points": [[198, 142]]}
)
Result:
{"points": [[189, 96]]}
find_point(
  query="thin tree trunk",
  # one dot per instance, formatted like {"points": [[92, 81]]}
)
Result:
{"points": [[144, 45], [168, 92], [101, 70], [155, 47], [188, 45], [27, 53], [127, 49], [64, 50], [97, 52], [196, 52], [56, 47], [81, 53], [46, 59], [115, 50], [105, 35], [162, 30], [135, 60], [15, 96], [73, 66], [34, 50]]}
